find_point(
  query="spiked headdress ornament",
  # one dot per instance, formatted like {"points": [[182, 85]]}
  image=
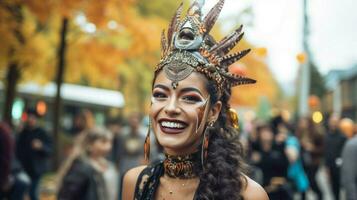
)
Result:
{"points": [[188, 47]]}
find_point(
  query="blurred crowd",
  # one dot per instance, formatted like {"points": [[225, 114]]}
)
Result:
{"points": [[284, 156], [93, 162], [287, 156]]}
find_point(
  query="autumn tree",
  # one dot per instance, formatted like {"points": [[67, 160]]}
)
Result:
{"points": [[22, 40], [98, 14]]}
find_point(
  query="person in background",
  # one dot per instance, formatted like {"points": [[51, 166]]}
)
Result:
{"points": [[292, 149], [296, 172], [312, 151], [82, 121], [273, 163], [88, 174], [6, 154], [346, 126], [334, 142], [115, 126], [349, 168], [253, 149], [13, 182], [33, 149], [132, 139]]}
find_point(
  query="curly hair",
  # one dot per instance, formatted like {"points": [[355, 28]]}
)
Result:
{"points": [[222, 177]]}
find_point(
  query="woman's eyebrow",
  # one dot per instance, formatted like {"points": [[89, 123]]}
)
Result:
{"points": [[164, 87], [190, 89]]}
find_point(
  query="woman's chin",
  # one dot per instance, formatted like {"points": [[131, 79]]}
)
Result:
{"points": [[171, 142], [177, 146]]}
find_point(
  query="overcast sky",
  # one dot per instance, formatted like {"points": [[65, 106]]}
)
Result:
{"points": [[277, 25]]}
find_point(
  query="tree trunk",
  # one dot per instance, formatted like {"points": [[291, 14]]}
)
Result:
{"points": [[13, 72], [12, 77], [59, 81]]}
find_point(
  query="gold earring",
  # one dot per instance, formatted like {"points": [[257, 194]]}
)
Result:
{"points": [[234, 118]]}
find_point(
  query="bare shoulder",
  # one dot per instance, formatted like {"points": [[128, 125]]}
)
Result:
{"points": [[129, 182], [253, 191]]}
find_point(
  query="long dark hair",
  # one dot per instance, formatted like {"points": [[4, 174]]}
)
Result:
{"points": [[222, 177]]}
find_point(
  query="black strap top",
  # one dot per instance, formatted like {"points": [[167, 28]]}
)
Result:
{"points": [[148, 182]]}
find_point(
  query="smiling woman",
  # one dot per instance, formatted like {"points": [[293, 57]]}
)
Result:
{"points": [[178, 114], [192, 120]]}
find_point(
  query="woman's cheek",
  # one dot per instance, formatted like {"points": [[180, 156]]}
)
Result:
{"points": [[154, 111]]}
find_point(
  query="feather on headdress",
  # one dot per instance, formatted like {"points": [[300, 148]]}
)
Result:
{"points": [[188, 47]]}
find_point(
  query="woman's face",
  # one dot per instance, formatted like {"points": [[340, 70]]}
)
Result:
{"points": [[180, 115]]}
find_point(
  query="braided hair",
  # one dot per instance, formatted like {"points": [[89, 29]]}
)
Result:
{"points": [[222, 177]]}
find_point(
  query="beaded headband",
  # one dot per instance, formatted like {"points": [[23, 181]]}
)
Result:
{"points": [[189, 47]]}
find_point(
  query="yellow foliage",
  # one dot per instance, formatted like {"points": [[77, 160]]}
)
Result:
{"points": [[22, 44], [41, 9], [94, 62], [37, 59]]}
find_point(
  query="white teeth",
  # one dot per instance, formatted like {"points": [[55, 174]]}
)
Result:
{"points": [[172, 124]]}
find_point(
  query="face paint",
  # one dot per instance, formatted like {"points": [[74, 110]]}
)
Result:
{"points": [[201, 114], [161, 100]]}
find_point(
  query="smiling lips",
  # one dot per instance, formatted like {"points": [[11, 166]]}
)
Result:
{"points": [[169, 126]]}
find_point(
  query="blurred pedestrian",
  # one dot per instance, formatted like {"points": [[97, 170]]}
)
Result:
{"points": [[87, 174], [349, 168], [6, 154], [273, 162], [347, 127], [132, 140], [296, 172], [291, 146], [311, 140], [33, 149], [334, 142], [82, 121], [13, 182], [115, 126]]}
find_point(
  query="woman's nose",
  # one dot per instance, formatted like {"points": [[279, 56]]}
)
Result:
{"points": [[172, 107]]}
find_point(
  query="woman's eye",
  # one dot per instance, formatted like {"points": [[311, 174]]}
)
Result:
{"points": [[159, 95], [191, 99]]}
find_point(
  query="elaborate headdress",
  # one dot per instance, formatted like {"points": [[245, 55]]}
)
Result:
{"points": [[188, 47]]}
